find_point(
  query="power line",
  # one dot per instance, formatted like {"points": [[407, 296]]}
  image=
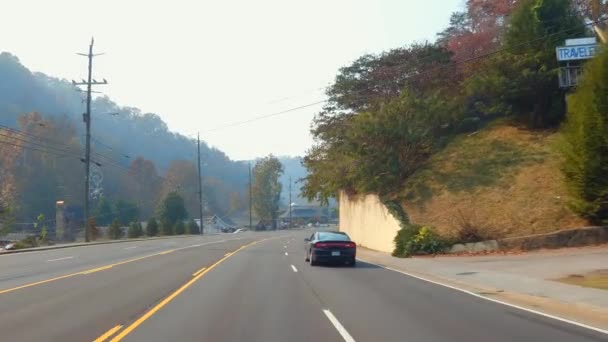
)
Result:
{"points": [[52, 148], [234, 124], [109, 147], [66, 151], [37, 137], [35, 149]]}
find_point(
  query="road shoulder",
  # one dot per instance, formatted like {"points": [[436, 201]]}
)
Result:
{"points": [[583, 306]]}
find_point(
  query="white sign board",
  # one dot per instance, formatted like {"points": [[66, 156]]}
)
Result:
{"points": [[576, 52], [581, 41]]}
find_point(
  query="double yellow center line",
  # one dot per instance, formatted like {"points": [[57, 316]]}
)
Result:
{"points": [[196, 276]]}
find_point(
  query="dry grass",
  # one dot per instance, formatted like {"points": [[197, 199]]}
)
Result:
{"points": [[505, 181], [597, 279]]}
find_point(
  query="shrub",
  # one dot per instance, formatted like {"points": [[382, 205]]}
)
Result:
{"points": [[115, 230], [467, 231], [95, 232], [415, 239], [135, 230], [585, 142], [402, 240], [192, 228], [21, 245], [166, 228], [152, 227], [426, 241], [179, 228]]}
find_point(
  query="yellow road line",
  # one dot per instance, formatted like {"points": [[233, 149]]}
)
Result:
{"points": [[199, 271], [227, 254], [108, 334], [93, 270], [172, 296], [38, 283], [97, 269]]}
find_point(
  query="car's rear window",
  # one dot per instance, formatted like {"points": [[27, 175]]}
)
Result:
{"points": [[333, 236]]}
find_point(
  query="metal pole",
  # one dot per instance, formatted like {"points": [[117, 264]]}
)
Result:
{"points": [[250, 200], [290, 202], [200, 183], [87, 156]]}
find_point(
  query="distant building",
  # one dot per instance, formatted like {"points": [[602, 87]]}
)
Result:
{"points": [[302, 214]]}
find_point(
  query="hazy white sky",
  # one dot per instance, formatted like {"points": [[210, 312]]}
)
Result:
{"points": [[201, 65]]}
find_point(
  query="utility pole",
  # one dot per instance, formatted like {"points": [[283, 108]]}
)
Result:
{"points": [[87, 120], [596, 11], [200, 183], [290, 202], [250, 199]]}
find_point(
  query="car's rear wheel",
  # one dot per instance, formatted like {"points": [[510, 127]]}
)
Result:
{"points": [[313, 262], [352, 263]]}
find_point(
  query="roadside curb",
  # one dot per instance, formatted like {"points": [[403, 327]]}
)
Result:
{"points": [[83, 244]]}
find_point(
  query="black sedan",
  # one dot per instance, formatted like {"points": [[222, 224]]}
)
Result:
{"points": [[330, 247]]}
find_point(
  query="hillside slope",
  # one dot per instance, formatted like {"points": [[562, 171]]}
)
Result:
{"points": [[504, 181]]}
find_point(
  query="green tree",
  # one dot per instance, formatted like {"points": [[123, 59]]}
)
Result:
{"points": [[172, 209], [103, 212], [179, 228], [585, 142], [40, 224], [41, 179], [135, 230], [522, 80], [142, 185], [192, 228], [115, 230], [166, 228], [126, 211], [152, 227], [266, 189]]}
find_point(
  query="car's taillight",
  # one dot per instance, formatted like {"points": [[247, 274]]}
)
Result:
{"points": [[335, 244]]}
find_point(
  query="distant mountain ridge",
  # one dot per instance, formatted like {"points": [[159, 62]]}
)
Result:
{"points": [[131, 132]]}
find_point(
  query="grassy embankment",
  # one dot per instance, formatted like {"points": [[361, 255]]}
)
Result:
{"points": [[503, 180]]}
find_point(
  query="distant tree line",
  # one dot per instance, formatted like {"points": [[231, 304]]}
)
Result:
{"points": [[138, 159]]}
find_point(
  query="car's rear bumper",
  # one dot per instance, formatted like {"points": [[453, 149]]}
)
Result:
{"points": [[327, 257]]}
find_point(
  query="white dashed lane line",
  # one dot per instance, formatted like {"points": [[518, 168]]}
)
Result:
{"points": [[58, 259]]}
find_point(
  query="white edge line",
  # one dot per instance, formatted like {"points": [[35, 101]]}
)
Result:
{"points": [[294, 268], [51, 260], [345, 335], [561, 319], [286, 253]]}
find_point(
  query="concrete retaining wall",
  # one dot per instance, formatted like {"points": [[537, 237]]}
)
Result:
{"points": [[367, 221]]}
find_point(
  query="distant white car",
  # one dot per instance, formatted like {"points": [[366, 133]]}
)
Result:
{"points": [[9, 246]]}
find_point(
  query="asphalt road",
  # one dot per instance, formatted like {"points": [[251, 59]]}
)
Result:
{"points": [[256, 288]]}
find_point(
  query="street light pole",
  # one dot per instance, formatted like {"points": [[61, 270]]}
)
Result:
{"points": [[250, 200], [200, 183], [290, 225]]}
